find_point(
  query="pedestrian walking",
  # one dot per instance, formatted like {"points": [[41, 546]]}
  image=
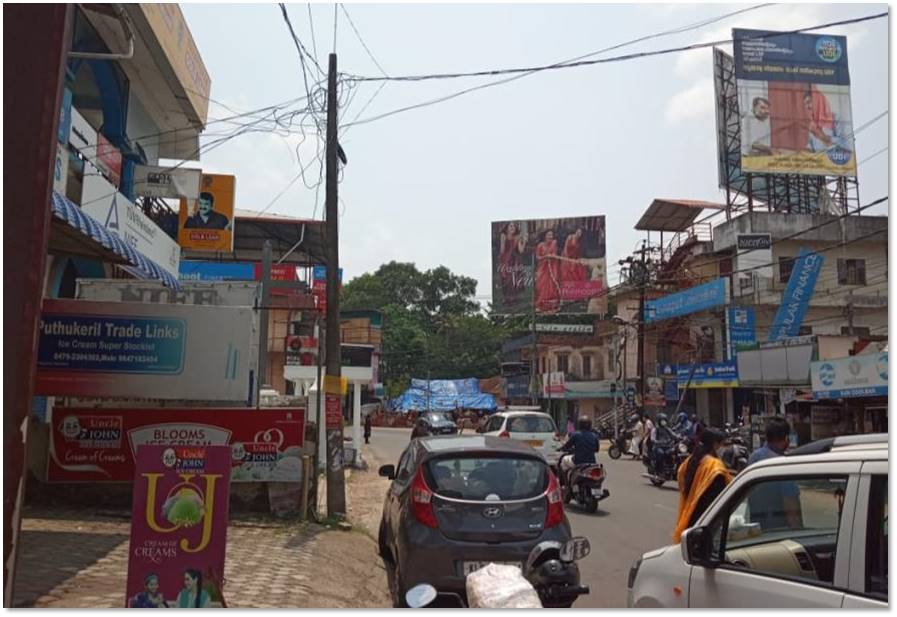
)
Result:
{"points": [[701, 477], [368, 424], [649, 432]]}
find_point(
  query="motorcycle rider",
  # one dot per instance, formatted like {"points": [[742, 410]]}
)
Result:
{"points": [[581, 448], [683, 425], [662, 439]]}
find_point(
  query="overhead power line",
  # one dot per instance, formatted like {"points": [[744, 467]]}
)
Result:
{"points": [[519, 73], [626, 57]]}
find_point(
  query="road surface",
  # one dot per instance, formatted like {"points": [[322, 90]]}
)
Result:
{"points": [[636, 518]]}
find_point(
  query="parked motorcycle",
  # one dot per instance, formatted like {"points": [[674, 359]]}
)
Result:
{"points": [[670, 457], [550, 569], [622, 444], [734, 452]]}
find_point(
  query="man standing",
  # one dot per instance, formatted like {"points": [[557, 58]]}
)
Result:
{"points": [[775, 505], [206, 217], [777, 431]]}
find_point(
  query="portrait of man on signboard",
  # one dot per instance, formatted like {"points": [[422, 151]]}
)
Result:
{"points": [[205, 216], [207, 222]]}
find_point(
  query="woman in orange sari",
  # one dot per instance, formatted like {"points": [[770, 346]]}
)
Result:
{"points": [[702, 477]]}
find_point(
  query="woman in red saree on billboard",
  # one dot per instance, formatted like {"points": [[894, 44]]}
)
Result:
{"points": [[511, 269], [572, 270], [547, 283]]}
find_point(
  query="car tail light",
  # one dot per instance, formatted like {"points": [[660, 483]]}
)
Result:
{"points": [[555, 514], [422, 501], [596, 473], [505, 435]]}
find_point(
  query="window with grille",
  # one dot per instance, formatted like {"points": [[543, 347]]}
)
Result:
{"points": [[563, 363], [851, 271], [586, 366], [786, 265]]}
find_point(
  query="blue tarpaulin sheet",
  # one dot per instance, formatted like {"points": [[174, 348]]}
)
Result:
{"points": [[443, 395]]}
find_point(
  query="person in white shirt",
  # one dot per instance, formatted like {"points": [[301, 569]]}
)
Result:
{"points": [[756, 138]]}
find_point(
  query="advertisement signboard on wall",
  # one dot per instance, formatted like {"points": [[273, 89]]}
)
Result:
{"points": [[851, 377], [742, 328], [797, 295], [654, 392], [160, 351], [178, 527], [794, 98], [558, 264], [82, 136], [712, 375], [207, 222], [753, 261], [319, 286], [61, 169], [699, 298], [108, 159], [166, 182], [116, 213], [100, 445]]}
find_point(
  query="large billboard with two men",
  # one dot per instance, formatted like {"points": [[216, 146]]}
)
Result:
{"points": [[794, 99], [552, 265]]}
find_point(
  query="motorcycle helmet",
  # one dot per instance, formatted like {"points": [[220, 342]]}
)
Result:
{"points": [[662, 419], [681, 418]]}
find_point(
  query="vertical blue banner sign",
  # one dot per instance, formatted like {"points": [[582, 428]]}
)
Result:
{"points": [[796, 298], [742, 328]]}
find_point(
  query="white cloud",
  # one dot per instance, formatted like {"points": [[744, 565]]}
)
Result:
{"points": [[694, 102]]}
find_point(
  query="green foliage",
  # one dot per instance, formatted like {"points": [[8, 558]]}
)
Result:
{"points": [[432, 324]]}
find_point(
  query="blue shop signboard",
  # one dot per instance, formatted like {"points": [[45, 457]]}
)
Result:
{"points": [[713, 375], [702, 297]]}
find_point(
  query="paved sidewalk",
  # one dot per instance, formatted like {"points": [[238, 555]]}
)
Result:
{"points": [[76, 560]]}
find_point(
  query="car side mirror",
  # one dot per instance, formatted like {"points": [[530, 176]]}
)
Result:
{"points": [[388, 471], [697, 547]]}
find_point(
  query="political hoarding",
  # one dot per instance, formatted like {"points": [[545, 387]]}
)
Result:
{"points": [[101, 445], [850, 377], [207, 222], [119, 215], [167, 182], [156, 351], [178, 527], [692, 300], [794, 99], [552, 265], [797, 295]]}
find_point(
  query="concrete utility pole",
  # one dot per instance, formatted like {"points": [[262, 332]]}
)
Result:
{"points": [[336, 478], [643, 282]]}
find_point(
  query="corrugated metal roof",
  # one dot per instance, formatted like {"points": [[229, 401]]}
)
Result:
{"points": [[673, 214]]}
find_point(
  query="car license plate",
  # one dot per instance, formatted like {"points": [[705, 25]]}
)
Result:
{"points": [[468, 567], [596, 492], [536, 443]]}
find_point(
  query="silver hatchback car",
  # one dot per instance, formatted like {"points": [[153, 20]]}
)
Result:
{"points": [[459, 503]]}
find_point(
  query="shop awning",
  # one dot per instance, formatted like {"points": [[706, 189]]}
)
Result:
{"points": [[78, 220]]}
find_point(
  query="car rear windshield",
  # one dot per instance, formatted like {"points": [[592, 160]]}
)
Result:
{"points": [[531, 424], [488, 478]]}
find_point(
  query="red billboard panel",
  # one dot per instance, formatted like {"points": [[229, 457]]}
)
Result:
{"points": [[100, 445]]}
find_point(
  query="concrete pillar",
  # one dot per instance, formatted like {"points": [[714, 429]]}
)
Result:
{"points": [[356, 418]]}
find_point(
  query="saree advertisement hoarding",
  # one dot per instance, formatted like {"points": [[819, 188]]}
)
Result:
{"points": [[101, 445], [794, 99], [156, 351], [556, 265], [178, 527]]}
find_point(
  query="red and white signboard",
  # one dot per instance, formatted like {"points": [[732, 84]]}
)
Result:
{"points": [[109, 159], [100, 445]]}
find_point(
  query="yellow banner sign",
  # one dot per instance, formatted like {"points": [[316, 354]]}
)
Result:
{"points": [[207, 223]]}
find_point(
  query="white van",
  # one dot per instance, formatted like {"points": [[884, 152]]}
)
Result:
{"points": [[807, 530]]}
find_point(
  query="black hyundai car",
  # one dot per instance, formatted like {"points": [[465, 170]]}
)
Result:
{"points": [[458, 503], [439, 423]]}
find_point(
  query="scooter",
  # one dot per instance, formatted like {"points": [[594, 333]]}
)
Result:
{"points": [[622, 444], [734, 452], [550, 569], [584, 483]]}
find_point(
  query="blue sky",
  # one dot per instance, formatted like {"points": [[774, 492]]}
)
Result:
{"points": [[423, 185]]}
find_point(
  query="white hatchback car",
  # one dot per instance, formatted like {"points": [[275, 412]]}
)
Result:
{"points": [[807, 530], [534, 427]]}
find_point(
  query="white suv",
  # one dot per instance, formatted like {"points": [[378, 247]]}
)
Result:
{"points": [[534, 427], [807, 530]]}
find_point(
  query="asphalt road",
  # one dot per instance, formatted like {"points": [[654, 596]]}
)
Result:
{"points": [[637, 517]]}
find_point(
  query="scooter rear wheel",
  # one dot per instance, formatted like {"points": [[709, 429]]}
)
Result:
{"points": [[658, 482], [614, 452]]}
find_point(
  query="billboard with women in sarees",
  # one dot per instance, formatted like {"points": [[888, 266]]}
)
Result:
{"points": [[555, 265]]}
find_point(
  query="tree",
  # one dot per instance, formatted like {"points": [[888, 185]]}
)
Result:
{"points": [[431, 324]]}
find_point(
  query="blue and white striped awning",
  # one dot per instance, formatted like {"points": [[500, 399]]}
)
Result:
{"points": [[65, 210]]}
